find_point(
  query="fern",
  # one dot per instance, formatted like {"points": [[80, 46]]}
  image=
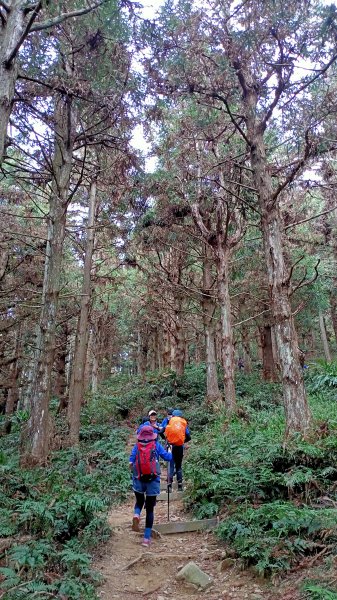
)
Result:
{"points": [[315, 591]]}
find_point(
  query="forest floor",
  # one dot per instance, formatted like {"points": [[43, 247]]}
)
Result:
{"points": [[131, 571]]}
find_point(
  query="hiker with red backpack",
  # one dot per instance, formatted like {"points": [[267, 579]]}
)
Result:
{"points": [[177, 433], [144, 463]]}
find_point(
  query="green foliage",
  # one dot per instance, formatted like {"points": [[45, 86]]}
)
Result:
{"points": [[316, 591], [322, 375], [272, 535], [61, 510], [274, 495]]}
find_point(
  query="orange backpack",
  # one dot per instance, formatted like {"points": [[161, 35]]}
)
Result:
{"points": [[175, 431]]}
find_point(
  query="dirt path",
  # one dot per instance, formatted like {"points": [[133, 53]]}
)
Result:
{"points": [[131, 571]]}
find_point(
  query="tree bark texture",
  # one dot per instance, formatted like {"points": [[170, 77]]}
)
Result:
{"points": [[333, 310], [227, 338], [10, 35], [142, 352], [295, 401], [208, 306], [76, 389], [221, 246], [324, 337], [36, 437], [60, 367], [268, 364], [247, 361]]}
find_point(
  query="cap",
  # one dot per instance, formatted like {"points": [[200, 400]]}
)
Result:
{"points": [[169, 411], [177, 413], [146, 434], [151, 412]]}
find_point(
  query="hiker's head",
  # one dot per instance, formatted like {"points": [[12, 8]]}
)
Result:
{"points": [[169, 412], [152, 416], [177, 413], [146, 434]]}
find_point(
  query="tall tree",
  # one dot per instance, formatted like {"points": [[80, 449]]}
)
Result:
{"points": [[18, 19]]}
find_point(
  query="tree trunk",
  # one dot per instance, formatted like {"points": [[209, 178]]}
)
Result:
{"points": [[297, 413], [295, 401], [268, 364], [333, 310], [142, 353], [76, 390], [213, 396], [36, 436], [227, 339], [180, 355], [94, 374], [14, 375], [152, 359], [10, 35], [247, 361], [324, 337], [60, 385]]}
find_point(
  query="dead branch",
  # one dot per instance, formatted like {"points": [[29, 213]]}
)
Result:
{"points": [[303, 283], [286, 281]]}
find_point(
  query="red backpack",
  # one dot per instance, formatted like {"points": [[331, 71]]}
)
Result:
{"points": [[146, 461]]}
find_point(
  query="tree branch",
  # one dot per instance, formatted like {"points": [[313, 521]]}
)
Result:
{"points": [[308, 83], [296, 169], [251, 318], [325, 212], [206, 233], [235, 123], [286, 281], [24, 34], [303, 283], [4, 5], [64, 16]]}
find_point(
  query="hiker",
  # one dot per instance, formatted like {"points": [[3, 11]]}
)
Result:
{"points": [[177, 433], [144, 463], [241, 364], [166, 419], [153, 421]]}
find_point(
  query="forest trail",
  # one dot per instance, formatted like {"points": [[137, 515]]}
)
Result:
{"points": [[131, 571]]}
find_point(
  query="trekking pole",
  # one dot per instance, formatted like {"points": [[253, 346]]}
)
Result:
{"points": [[168, 491]]}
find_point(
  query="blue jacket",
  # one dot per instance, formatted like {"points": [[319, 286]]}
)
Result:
{"points": [[148, 423], [150, 488], [164, 423]]}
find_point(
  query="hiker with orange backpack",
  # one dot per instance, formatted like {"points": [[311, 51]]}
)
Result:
{"points": [[144, 463], [177, 433]]}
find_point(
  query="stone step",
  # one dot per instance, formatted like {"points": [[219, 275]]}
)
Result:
{"points": [[185, 526], [173, 496]]}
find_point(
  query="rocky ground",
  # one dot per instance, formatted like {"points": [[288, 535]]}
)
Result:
{"points": [[131, 571]]}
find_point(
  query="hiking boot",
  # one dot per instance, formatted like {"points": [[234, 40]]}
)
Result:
{"points": [[146, 542], [180, 487], [135, 523]]}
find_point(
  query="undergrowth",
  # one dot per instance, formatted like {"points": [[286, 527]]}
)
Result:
{"points": [[277, 503], [52, 518]]}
